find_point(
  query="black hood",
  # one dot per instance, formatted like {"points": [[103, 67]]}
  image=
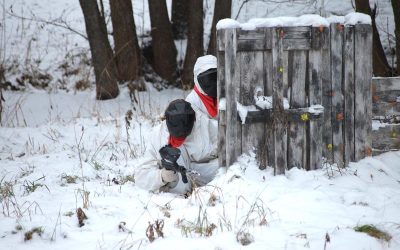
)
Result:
{"points": [[180, 118]]}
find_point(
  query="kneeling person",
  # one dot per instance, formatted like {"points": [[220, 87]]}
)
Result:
{"points": [[182, 146]]}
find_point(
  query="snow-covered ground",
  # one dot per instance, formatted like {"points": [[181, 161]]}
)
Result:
{"points": [[62, 150], [75, 146]]}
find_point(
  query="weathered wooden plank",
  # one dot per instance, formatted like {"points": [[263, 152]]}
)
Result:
{"points": [[268, 84], [221, 40], [382, 84], [315, 97], [292, 115], [251, 40], [221, 113], [386, 138], [386, 96], [363, 79], [337, 93], [296, 44], [320, 38], [233, 135], [257, 34], [299, 32], [327, 151], [382, 109], [280, 132], [297, 156], [268, 38], [252, 79], [348, 57], [250, 44]]}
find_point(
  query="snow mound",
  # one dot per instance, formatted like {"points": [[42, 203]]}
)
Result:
{"points": [[286, 21], [227, 23], [355, 18]]}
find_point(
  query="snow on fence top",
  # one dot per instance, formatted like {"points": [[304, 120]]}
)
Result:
{"points": [[304, 20]]}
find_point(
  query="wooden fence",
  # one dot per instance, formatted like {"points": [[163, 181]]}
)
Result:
{"points": [[386, 112], [303, 66]]}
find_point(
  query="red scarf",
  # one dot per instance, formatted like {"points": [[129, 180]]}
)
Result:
{"points": [[210, 103], [176, 141]]}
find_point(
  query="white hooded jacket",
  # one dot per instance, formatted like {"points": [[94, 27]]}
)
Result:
{"points": [[198, 152], [202, 64]]}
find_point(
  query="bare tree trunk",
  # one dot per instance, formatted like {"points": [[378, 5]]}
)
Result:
{"points": [[102, 55], [194, 47], [396, 13], [380, 64], [179, 18], [164, 50], [222, 9], [127, 52]]}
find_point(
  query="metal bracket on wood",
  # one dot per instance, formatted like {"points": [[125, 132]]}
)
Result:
{"points": [[292, 115]]}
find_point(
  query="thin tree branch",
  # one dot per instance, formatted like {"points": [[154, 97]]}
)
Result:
{"points": [[61, 24]]}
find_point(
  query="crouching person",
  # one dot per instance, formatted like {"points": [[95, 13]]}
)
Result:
{"points": [[182, 152], [203, 97]]}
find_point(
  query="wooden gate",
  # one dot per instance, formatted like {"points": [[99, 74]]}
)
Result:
{"points": [[296, 69]]}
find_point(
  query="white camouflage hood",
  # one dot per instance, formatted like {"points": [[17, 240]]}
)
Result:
{"points": [[203, 64]]}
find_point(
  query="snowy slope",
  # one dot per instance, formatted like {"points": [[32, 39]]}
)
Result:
{"points": [[295, 211], [59, 150]]}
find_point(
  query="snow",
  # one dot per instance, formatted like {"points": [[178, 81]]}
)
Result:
{"points": [[336, 19], [293, 211], [243, 111], [265, 102], [227, 23], [304, 20], [222, 104], [354, 18], [316, 109], [40, 149]]}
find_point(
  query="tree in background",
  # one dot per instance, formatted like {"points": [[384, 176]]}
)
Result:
{"points": [[163, 46], [396, 13], [127, 52], [222, 9], [179, 19], [194, 47], [379, 62], [102, 56]]}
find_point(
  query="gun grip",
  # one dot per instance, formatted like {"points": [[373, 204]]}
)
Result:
{"points": [[184, 177]]}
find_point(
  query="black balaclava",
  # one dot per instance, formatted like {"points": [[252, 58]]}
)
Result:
{"points": [[208, 82], [180, 118]]}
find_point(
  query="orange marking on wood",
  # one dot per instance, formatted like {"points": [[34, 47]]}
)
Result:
{"points": [[368, 150]]}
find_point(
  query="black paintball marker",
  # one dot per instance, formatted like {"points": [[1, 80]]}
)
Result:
{"points": [[169, 156]]}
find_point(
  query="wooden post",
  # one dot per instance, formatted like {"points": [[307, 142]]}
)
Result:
{"points": [[337, 31], [221, 94], [363, 97], [316, 64], [297, 156], [348, 57], [252, 78], [327, 149], [268, 91], [280, 160], [233, 134]]}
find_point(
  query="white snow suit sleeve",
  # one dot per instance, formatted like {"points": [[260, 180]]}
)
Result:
{"points": [[148, 172]]}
